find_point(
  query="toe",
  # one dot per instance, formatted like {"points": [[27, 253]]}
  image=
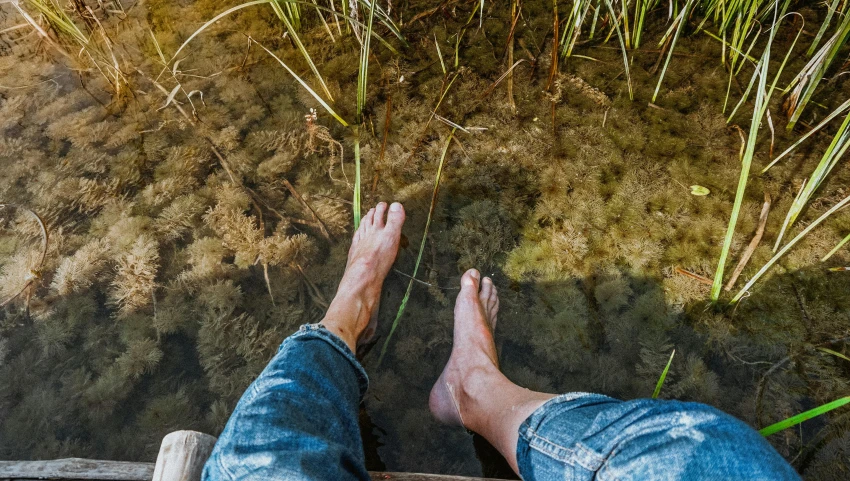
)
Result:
{"points": [[368, 219], [396, 216], [492, 312], [468, 289], [486, 291], [380, 212], [493, 301]]}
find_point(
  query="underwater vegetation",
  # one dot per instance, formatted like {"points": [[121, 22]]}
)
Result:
{"points": [[196, 187]]}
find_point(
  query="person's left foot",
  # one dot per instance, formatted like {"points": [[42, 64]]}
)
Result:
{"points": [[372, 253]]}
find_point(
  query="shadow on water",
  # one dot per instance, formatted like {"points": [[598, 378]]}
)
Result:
{"points": [[612, 332]]}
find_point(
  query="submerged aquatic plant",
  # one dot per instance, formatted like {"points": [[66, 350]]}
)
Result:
{"points": [[362, 78], [84, 34], [763, 94], [434, 194]]}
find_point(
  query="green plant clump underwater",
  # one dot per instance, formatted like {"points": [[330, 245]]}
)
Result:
{"points": [[180, 181]]}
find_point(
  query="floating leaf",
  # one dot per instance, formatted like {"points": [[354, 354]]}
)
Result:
{"points": [[699, 190]]}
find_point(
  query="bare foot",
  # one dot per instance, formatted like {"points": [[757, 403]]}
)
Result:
{"points": [[473, 363], [372, 253]]}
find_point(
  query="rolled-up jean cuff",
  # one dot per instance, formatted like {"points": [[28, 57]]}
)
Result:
{"points": [[532, 432], [318, 331]]}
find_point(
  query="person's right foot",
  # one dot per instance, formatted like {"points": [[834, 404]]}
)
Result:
{"points": [[372, 253], [473, 361]]}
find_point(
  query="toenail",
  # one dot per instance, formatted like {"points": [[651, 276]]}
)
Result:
{"points": [[395, 207], [475, 274]]}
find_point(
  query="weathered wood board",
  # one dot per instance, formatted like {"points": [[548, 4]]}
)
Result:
{"points": [[88, 469]]}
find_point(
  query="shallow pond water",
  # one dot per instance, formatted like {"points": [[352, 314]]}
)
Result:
{"points": [[183, 249]]}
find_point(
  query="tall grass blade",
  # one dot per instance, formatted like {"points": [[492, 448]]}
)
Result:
{"points": [[292, 29], [216, 19], [481, 16], [663, 376], [809, 79], [356, 200], [304, 84], [811, 413], [681, 19], [622, 47], [440, 54], [763, 94], [824, 26], [362, 78], [835, 113], [746, 162], [385, 19], [836, 248], [788, 246], [836, 150], [834, 353], [406, 297]]}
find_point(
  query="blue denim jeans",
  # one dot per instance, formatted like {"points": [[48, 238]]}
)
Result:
{"points": [[298, 421]]}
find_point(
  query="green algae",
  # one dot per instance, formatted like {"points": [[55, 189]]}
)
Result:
{"points": [[172, 275]]}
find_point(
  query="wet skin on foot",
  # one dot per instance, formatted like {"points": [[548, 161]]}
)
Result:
{"points": [[372, 253], [473, 360]]}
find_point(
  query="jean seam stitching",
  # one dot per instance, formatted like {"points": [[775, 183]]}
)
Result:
{"points": [[536, 441], [597, 459], [224, 469]]}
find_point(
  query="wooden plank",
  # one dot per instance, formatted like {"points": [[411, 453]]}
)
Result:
{"points": [[381, 476], [88, 469], [76, 468], [182, 456]]}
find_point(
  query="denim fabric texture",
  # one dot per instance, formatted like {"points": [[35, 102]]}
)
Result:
{"points": [[299, 421], [582, 436]]}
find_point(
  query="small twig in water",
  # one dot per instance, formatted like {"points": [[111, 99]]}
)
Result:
{"points": [[316, 219], [765, 210], [696, 277]]}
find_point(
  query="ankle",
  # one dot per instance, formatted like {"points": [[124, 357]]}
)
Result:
{"points": [[348, 316], [475, 394]]}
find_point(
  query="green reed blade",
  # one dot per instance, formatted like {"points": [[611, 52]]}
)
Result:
{"points": [[324, 22], [663, 376], [60, 20], [763, 94], [216, 19], [362, 77], [836, 150], [835, 113], [304, 84], [746, 162], [481, 16], [622, 47], [811, 79], [834, 353], [440, 54], [811, 413], [355, 202], [385, 19], [406, 297], [681, 20], [293, 32], [787, 247], [824, 26], [836, 248]]}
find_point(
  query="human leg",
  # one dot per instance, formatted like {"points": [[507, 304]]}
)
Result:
{"points": [[298, 419], [581, 435], [472, 391]]}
